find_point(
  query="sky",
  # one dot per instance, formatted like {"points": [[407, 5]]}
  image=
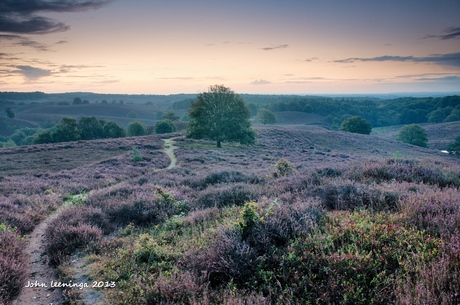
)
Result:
{"points": [[250, 46]]}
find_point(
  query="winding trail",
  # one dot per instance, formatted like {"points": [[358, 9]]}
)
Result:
{"points": [[169, 150], [41, 273]]}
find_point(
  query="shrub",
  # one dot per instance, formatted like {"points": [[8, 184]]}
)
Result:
{"points": [[229, 177], [226, 196], [409, 171], [347, 195], [10, 112], [147, 209], [413, 134], [283, 168], [247, 254], [13, 264], [63, 240], [136, 129], [356, 124], [281, 223], [435, 282], [178, 288], [434, 211], [228, 258], [136, 156], [355, 260], [17, 217], [164, 127], [76, 227], [113, 130]]}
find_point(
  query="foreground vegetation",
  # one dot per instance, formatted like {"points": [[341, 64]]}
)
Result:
{"points": [[334, 219]]}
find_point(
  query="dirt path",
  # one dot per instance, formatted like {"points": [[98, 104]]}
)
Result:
{"points": [[42, 275], [169, 150], [39, 271]]}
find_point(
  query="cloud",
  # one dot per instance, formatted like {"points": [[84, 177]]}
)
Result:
{"points": [[451, 78], [311, 59], [72, 68], [32, 73], [20, 16], [260, 82], [450, 59], [281, 46], [452, 32], [24, 41], [423, 75]]}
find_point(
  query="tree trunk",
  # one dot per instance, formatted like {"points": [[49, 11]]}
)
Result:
{"points": [[218, 143]]}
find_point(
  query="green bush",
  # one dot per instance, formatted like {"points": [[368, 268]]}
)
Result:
{"points": [[10, 112], [356, 124], [355, 260], [136, 156], [165, 126], [413, 134], [136, 129], [113, 130], [283, 168]]}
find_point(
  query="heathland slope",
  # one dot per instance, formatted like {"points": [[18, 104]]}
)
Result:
{"points": [[302, 216]]}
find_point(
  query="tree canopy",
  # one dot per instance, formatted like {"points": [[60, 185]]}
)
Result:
{"points": [[413, 134], [90, 128], [165, 126], [220, 115], [136, 129], [266, 116], [10, 113], [356, 124], [67, 130], [113, 130]]}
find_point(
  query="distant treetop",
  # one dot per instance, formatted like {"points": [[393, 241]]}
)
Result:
{"points": [[356, 124]]}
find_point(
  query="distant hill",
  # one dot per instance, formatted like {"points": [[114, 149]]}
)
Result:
{"points": [[8, 126]]}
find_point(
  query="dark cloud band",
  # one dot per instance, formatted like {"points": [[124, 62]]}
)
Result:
{"points": [[20, 16], [452, 32], [450, 59]]}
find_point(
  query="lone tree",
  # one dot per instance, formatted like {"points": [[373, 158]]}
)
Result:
{"points": [[136, 129], [165, 126], [220, 115], [413, 134], [356, 124], [265, 116], [10, 113]]}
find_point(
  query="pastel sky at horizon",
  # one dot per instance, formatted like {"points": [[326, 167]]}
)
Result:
{"points": [[266, 47]]}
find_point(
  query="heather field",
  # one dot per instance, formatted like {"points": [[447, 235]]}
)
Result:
{"points": [[304, 216]]}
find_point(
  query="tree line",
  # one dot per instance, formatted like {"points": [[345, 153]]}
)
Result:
{"points": [[86, 128]]}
